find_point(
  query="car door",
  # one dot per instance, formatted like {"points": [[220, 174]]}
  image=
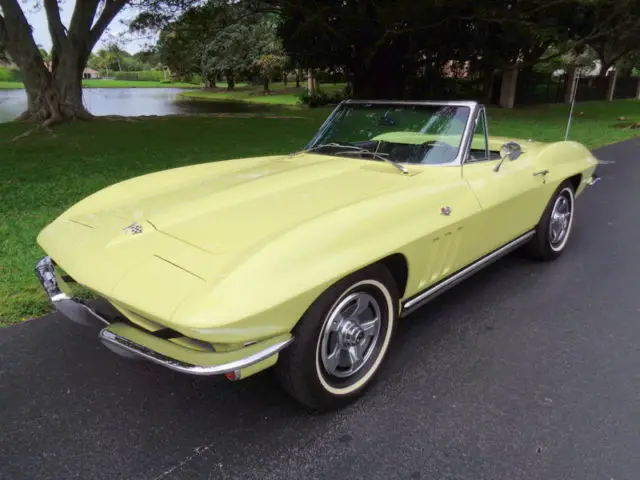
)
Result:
{"points": [[508, 195]]}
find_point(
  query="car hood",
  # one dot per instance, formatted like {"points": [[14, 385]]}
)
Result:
{"points": [[226, 210]]}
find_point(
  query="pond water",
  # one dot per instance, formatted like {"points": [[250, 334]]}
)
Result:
{"points": [[132, 102]]}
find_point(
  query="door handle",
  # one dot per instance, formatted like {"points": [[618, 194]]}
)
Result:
{"points": [[543, 174]]}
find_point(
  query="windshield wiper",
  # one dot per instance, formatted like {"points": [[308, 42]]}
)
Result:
{"points": [[356, 149], [332, 144]]}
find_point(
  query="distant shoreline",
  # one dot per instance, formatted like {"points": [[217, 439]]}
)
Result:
{"points": [[114, 84]]}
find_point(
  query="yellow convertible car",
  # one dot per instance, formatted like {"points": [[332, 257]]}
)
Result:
{"points": [[305, 262]]}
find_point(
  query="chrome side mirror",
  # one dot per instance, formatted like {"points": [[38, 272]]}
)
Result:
{"points": [[510, 150]]}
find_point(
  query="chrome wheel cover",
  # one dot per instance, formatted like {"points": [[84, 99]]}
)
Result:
{"points": [[350, 335], [561, 220]]}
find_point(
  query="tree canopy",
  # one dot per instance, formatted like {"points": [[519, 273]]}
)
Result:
{"points": [[222, 39], [384, 43], [386, 48]]}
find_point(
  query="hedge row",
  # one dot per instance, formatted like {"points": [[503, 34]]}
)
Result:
{"points": [[141, 76], [10, 75]]}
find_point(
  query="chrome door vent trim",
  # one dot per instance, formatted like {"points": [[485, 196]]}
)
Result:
{"points": [[412, 304]]}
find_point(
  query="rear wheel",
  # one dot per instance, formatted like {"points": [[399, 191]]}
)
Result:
{"points": [[554, 229], [341, 341]]}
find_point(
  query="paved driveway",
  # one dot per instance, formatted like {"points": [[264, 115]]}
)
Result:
{"points": [[527, 371]]}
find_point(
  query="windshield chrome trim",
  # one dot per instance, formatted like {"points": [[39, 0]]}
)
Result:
{"points": [[481, 114], [453, 103], [467, 134]]}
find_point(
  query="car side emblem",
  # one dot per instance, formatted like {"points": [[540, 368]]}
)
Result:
{"points": [[446, 211], [133, 229]]}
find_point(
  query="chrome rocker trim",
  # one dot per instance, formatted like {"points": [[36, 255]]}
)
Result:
{"points": [[76, 310], [116, 342], [412, 304]]}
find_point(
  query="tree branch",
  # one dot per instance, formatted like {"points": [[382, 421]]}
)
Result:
{"points": [[109, 12], [16, 33], [56, 28], [82, 18], [3, 30]]}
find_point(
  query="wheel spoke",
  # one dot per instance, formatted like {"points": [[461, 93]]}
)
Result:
{"points": [[555, 231], [562, 204], [335, 323], [370, 327], [355, 356], [333, 360], [362, 303]]}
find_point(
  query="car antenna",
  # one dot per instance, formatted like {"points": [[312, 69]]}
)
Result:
{"points": [[574, 91]]}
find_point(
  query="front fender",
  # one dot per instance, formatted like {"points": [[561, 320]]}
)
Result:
{"points": [[269, 291]]}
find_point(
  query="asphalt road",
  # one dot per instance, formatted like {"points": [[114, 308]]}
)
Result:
{"points": [[526, 371]]}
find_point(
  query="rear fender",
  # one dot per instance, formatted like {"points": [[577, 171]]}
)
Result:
{"points": [[565, 160]]}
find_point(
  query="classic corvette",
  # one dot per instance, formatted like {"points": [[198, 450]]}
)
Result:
{"points": [[305, 262]]}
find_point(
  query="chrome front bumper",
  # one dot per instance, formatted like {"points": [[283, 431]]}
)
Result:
{"points": [[127, 348], [59, 294], [595, 178], [166, 353]]}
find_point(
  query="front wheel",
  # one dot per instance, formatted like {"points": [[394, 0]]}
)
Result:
{"points": [[554, 229], [341, 341]]}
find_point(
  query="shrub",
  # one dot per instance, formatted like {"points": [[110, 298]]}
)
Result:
{"points": [[140, 76], [320, 98], [10, 75]]}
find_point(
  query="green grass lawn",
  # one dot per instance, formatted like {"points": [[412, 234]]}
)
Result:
{"points": [[279, 95], [135, 84], [11, 85], [112, 84], [41, 175]]}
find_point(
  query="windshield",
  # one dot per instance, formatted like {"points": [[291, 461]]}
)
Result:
{"points": [[418, 134]]}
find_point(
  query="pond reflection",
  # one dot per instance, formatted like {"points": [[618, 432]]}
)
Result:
{"points": [[133, 102]]}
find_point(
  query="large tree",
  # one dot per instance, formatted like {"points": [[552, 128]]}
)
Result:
{"points": [[244, 44], [620, 37], [219, 38], [182, 42], [386, 45], [56, 94]]}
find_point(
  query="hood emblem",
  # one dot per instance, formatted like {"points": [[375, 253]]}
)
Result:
{"points": [[446, 211], [133, 229]]}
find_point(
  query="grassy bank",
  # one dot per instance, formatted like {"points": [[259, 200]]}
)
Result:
{"points": [[279, 94], [11, 85], [113, 84], [42, 175], [135, 84]]}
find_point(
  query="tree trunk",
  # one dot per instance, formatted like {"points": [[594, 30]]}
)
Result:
{"points": [[508, 87], [210, 81], [312, 83], [487, 84], [285, 78], [266, 84], [297, 78], [56, 95], [231, 82], [52, 96]]}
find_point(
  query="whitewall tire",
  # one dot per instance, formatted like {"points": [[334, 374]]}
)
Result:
{"points": [[555, 227], [341, 341]]}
